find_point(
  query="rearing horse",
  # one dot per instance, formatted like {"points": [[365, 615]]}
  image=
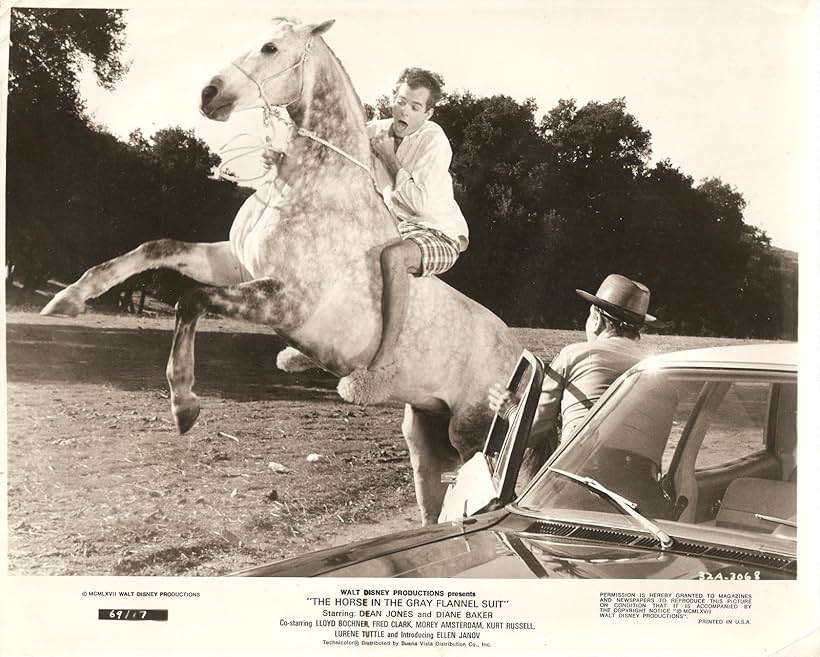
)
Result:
{"points": [[309, 267]]}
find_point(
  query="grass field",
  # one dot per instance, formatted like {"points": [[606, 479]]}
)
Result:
{"points": [[100, 483]]}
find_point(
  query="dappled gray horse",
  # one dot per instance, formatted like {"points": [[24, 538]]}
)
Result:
{"points": [[308, 266]]}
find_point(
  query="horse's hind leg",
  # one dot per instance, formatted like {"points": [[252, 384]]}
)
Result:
{"points": [[430, 455], [264, 301], [209, 263]]}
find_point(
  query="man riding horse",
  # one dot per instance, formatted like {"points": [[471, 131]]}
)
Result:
{"points": [[413, 170]]}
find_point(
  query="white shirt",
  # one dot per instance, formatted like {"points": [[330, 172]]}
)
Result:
{"points": [[423, 190]]}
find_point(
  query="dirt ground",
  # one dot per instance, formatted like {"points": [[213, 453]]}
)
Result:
{"points": [[100, 483]]}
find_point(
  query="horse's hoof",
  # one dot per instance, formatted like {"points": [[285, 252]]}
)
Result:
{"points": [[185, 414], [66, 303], [366, 387], [293, 360]]}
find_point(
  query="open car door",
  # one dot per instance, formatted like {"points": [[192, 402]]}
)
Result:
{"points": [[487, 481]]}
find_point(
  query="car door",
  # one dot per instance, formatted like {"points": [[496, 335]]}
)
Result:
{"points": [[488, 479]]}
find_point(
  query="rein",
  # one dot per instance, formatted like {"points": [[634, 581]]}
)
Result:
{"points": [[304, 132], [273, 120]]}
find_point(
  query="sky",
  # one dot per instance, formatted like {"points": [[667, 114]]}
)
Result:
{"points": [[723, 87]]}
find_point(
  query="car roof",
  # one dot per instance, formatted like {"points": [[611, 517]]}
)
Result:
{"points": [[782, 356]]}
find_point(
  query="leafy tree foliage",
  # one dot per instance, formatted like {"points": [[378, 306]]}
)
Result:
{"points": [[77, 195], [560, 204], [180, 153], [49, 197], [553, 204], [49, 48]]}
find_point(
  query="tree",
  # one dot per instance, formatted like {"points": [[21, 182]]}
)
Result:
{"points": [[601, 136], [595, 156], [49, 49], [497, 154], [179, 152], [552, 205], [47, 148], [381, 110], [77, 195], [766, 302]]}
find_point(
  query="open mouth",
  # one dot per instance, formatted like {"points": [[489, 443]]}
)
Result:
{"points": [[401, 125]]}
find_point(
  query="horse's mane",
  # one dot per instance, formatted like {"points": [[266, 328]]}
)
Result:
{"points": [[363, 125], [359, 103], [294, 21], [287, 19]]}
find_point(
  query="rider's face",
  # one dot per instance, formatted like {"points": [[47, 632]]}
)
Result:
{"points": [[410, 109]]}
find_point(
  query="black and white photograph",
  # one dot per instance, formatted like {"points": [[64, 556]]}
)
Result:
{"points": [[360, 326]]}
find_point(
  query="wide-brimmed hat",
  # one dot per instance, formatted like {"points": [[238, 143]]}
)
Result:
{"points": [[623, 298]]}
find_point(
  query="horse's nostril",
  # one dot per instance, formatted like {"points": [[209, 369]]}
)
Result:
{"points": [[208, 93]]}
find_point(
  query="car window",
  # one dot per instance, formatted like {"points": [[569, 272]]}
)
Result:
{"points": [[737, 428], [688, 393], [784, 408], [661, 437]]}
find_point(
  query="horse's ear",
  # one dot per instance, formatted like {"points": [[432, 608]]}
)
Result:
{"points": [[316, 29]]}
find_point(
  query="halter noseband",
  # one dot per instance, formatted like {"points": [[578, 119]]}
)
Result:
{"points": [[267, 108]]}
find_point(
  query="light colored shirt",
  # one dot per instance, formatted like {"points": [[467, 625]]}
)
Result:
{"points": [[423, 190], [577, 378]]}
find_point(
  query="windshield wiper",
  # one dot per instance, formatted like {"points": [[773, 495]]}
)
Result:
{"points": [[629, 507], [775, 520]]}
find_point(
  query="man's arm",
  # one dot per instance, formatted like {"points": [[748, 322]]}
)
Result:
{"points": [[383, 146], [423, 179]]}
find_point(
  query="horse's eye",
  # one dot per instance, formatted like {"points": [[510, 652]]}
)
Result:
{"points": [[269, 48]]}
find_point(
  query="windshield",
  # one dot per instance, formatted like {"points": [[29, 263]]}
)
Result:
{"points": [[706, 447]]}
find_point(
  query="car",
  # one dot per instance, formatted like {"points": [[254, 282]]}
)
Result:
{"points": [[685, 469]]}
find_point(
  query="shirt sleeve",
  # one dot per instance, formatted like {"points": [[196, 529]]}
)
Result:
{"points": [[549, 403], [419, 184]]}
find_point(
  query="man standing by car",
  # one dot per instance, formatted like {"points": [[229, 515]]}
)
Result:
{"points": [[581, 372]]}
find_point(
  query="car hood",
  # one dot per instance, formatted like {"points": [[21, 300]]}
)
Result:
{"points": [[501, 545]]}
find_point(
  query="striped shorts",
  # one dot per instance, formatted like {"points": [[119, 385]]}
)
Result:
{"points": [[438, 251]]}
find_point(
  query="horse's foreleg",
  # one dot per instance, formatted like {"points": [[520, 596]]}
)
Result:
{"points": [[180, 369], [430, 455], [209, 263], [264, 301]]}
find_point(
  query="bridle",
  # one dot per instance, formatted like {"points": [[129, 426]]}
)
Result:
{"points": [[271, 114], [267, 107]]}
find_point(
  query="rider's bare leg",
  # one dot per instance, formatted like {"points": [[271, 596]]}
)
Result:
{"points": [[397, 260]]}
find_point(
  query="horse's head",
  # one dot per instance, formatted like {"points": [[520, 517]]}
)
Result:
{"points": [[271, 73]]}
